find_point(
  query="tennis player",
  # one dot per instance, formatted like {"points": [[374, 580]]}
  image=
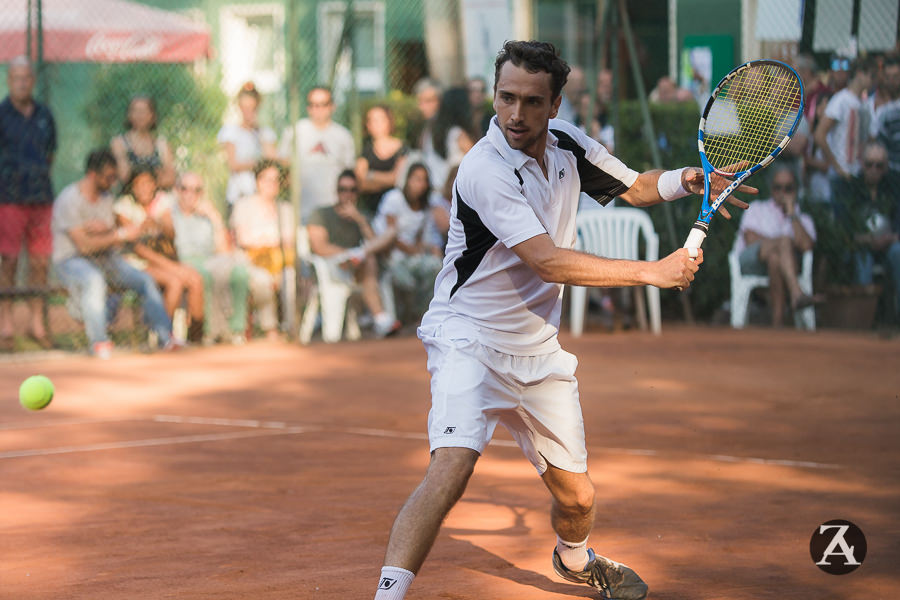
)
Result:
{"points": [[491, 329]]}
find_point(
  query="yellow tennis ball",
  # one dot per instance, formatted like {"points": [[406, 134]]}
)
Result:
{"points": [[36, 392]]}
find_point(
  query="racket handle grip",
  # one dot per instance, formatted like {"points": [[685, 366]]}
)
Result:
{"points": [[694, 241]]}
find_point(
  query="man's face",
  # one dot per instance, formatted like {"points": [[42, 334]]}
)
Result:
{"points": [[892, 81], [348, 192], [106, 178], [783, 187], [523, 105], [874, 164], [20, 81], [319, 106]]}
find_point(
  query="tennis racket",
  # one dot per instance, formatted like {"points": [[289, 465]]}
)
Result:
{"points": [[748, 120]]}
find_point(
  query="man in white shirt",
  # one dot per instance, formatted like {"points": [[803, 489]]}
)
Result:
{"points": [[845, 126], [771, 235], [324, 149], [491, 329]]}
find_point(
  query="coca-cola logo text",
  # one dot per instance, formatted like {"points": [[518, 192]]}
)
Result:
{"points": [[122, 48]]}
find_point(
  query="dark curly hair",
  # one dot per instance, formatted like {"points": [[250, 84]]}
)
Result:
{"points": [[534, 57]]}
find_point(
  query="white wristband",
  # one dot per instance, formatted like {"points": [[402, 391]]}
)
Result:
{"points": [[669, 185]]}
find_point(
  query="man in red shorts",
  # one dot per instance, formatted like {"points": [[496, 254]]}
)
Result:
{"points": [[27, 144]]}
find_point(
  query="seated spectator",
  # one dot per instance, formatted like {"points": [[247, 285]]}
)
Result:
{"points": [[140, 146], [264, 230], [142, 206], [416, 257], [87, 255], [244, 144], [341, 234], [381, 159], [771, 235], [868, 204], [202, 242]]}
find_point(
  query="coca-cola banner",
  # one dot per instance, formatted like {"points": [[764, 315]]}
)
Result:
{"points": [[103, 31]]}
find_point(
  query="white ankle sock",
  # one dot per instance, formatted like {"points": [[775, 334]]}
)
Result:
{"points": [[573, 554], [393, 583]]}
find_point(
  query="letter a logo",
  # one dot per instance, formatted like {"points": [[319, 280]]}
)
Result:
{"points": [[838, 547]]}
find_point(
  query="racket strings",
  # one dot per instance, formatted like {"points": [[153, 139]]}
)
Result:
{"points": [[750, 116]]}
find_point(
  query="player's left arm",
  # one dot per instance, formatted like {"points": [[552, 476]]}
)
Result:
{"points": [[646, 190]]}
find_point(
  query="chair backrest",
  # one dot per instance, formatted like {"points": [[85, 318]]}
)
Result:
{"points": [[615, 233], [303, 250]]}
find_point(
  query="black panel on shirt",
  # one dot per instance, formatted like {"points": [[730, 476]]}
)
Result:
{"points": [[478, 241], [595, 182]]}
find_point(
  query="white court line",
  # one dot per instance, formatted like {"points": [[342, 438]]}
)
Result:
{"points": [[280, 427], [22, 425], [186, 439]]}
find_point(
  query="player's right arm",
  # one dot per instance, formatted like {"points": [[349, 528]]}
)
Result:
{"points": [[560, 265]]}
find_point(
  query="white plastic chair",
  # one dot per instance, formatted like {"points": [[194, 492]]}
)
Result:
{"points": [[615, 233], [742, 284], [330, 298]]}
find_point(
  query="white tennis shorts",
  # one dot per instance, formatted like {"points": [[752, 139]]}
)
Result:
{"points": [[474, 387]]}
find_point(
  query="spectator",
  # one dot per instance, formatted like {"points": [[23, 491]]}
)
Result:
{"points": [[771, 235], [202, 242], [381, 159], [140, 146], [143, 205], [27, 146], [244, 144], [451, 135], [886, 124], [480, 105], [428, 101], [323, 149], [574, 90], [264, 230], [87, 257], [814, 161], [341, 234], [868, 203], [840, 133], [416, 256], [887, 80]]}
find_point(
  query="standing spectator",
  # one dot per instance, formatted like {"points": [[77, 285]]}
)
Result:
{"points": [[868, 204], [324, 149], [771, 234], [814, 161], [428, 102], [841, 131], [27, 145], [451, 135], [573, 91], [887, 80], [886, 124], [381, 159], [140, 146], [480, 105], [87, 257], [244, 144], [143, 205], [341, 234], [416, 256], [264, 230]]}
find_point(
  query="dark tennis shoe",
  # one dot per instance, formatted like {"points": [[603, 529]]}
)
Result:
{"points": [[613, 580]]}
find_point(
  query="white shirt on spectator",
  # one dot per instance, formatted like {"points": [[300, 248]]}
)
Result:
{"points": [[412, 225], [248, 147], [765, 217], [845, 137], [323, 154]]}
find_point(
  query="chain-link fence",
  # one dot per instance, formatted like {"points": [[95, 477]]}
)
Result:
{"points": [[211, 87]]}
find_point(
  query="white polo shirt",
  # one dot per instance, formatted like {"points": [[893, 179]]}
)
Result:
{"points": [[500, 199]]}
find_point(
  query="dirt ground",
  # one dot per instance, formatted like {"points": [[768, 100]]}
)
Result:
{"points": [[274, 471]]}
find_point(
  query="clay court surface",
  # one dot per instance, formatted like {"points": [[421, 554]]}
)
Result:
{"points": [[274, 471]]}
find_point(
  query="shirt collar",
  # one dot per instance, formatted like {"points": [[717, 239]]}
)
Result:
{"points": [[514, 157]]}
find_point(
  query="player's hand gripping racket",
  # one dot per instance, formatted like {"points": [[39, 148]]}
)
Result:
{"points": [[748, 120]]}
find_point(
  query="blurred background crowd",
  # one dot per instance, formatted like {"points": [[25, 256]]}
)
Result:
{"points": [[174, 173]]}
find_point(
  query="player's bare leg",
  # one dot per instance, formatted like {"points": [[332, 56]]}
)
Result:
{"points": [[572, 516], [419, 521]]}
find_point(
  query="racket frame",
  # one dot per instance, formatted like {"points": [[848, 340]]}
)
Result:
{"points": [[707, 210]]}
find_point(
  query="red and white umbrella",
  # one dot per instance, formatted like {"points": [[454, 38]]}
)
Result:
{"points": [[106, 31]]}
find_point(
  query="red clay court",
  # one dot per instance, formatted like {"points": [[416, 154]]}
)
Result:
{"points": [[274, 471]]}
